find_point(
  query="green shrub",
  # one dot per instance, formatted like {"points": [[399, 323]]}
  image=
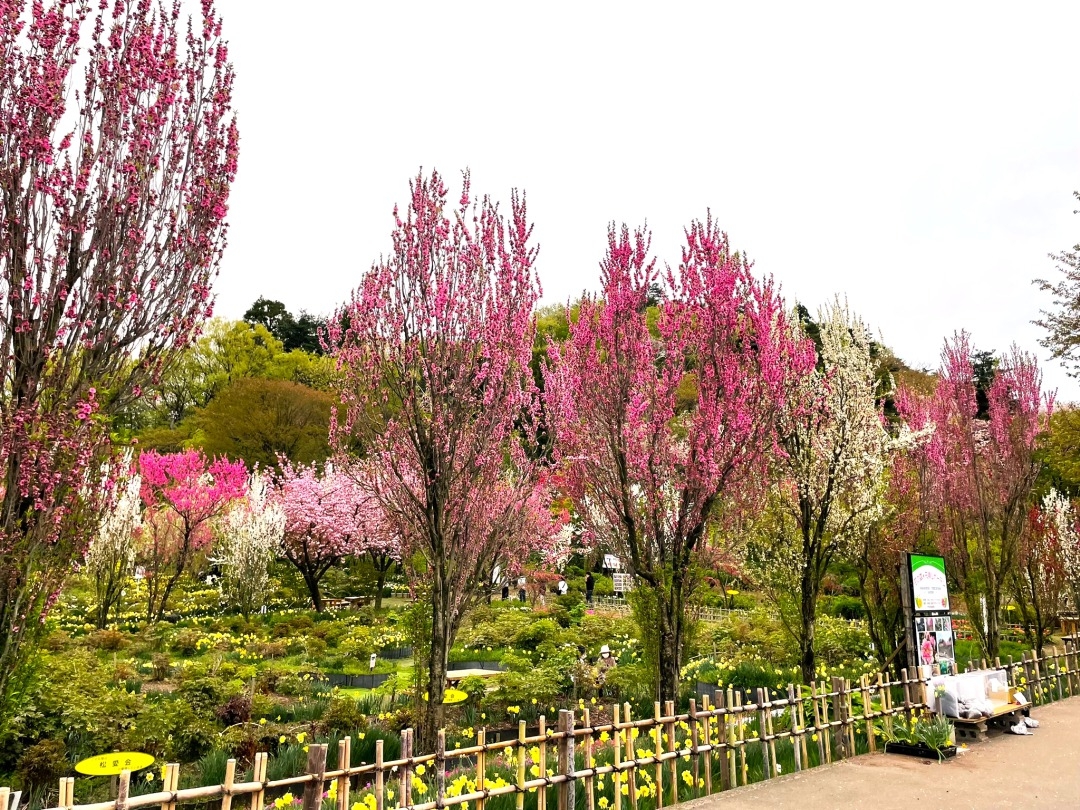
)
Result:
{"points": [[42, 764], [110, 640]]}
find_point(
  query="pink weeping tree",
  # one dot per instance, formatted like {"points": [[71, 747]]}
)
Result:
{"points": [[657, 426], [434, 350], [981, 473], [184, 494], [118, 150], [328, 517]]}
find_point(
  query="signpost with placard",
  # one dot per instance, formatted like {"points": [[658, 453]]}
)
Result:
{"points": [[928, 623]]}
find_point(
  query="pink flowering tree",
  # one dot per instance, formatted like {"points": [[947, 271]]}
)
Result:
{"points": [[1040, 582], [656, 425], [981, 472], [118, 151], [184, 494], [435, 353], [328, 517]]}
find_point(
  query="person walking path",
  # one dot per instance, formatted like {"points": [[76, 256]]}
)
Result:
{"points": [[1007, 771]]}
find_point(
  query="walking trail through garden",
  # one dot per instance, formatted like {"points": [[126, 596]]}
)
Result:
{"points": [[1007, 771]]}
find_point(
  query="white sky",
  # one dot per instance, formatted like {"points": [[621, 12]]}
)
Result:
{"points": [[919, 158]]}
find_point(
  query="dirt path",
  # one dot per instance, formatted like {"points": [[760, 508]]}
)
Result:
{"points": [[1007, 771]]}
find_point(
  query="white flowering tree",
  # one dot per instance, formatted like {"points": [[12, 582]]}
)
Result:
{"points": [[1046, 555], [251, 538], [829, 478], [110, 559]]}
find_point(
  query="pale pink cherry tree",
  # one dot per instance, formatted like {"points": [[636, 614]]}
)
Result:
{"points": [[434, 353], [655, 427], [185, 494], [117, 151], [981, 473], [328, 517]]}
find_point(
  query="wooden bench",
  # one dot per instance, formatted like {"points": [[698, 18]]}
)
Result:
{"points": [[974, 729]]}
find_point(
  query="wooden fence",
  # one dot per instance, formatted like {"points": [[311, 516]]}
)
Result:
{"points": [[700, 612], [616, 761]]}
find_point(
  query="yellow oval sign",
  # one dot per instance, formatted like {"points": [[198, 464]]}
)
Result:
{"points": [[112, 764]]}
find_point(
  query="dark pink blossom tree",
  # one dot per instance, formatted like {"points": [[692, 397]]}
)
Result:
{"points": [[117, 151], [656, 426], [981, 472], [328, 517], [435, 357], [184, 495]]}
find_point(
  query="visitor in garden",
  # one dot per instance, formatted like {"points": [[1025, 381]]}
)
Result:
{"points": [[506, 591], [563, 587], [590, 583]]}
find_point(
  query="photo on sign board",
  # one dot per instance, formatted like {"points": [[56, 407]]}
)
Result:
{"points": [[927, 648], [945, 652]]}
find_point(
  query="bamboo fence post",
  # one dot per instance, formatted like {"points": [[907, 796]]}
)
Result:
{"points": [[172, 775], [521, 766], [763, 733], [658, 749], [541, 792], [631, 755], [616, 755], [772, 732], [695, 764], [258, 798], [5, 798], [820, 731], [566, 791], [67, 792], [1057, 673], [849, 716], [669, 731], [727, 754], [802, 728], [481, 768], [405, 774], [344, 759], [380, 800], [316, 767], [706, 757], [587, 761], [440, 767], [868, 715], [227, 786], [907, 694], [122, 791], [742, 737], [796, 726]]}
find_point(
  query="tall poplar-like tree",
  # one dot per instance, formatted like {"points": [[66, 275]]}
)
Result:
{"points": [[982, 473], [655, 427], [117, 151], [110, 558], [435, 349]]}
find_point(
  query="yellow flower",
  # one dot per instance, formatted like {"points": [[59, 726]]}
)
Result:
{"points": [[687, 778], [420, 770], [602, 803], [301, 736], [281, 739], [149, 776], [262, 721]]}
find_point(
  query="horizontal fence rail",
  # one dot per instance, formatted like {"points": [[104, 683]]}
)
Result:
{"points": [[617, 762]]}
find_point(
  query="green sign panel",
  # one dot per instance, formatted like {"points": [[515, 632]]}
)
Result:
{"points": [[929, 588]]}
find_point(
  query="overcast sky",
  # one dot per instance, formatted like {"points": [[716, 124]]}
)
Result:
{"points": [[919, 158]]}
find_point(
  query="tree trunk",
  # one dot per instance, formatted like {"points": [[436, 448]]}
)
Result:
{"points": [[380, 583], [432, 710], [807, 621], [670, 641], [312, 583]]}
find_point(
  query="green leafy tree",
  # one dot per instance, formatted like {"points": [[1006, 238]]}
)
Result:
{"points": [[257, 420]]}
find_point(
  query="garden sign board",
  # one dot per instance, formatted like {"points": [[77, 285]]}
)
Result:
{"points": [[114, 763]]}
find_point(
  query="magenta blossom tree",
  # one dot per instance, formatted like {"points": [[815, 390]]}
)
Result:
{"points": [[328, 517], [435, 352], [184, 494], [981, 472], [117, 151], [656, 425]]}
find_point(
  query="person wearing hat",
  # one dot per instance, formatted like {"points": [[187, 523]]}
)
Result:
{"points": [[604, 665]]}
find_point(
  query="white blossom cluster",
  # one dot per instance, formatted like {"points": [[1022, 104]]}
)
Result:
{"points": [[251, 538], [110, 558]]}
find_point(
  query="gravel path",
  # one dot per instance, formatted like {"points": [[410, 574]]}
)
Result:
{"points": [[1042, 770]]}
